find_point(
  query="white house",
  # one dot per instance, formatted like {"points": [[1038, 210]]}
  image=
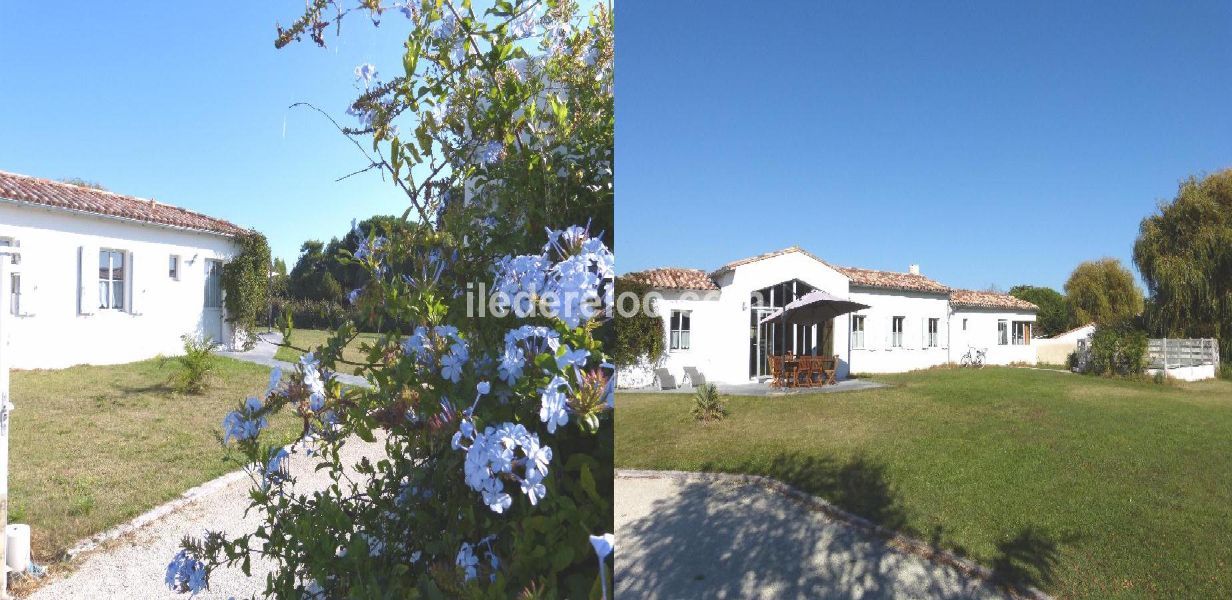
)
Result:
{"points": [[105, 278], [712, 320]]}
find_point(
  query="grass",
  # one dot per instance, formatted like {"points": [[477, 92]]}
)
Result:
{"points": [[92, 447], [1086, 487], [312, 338]]}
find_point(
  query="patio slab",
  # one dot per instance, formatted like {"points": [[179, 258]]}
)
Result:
{"points": [[764, 389]]}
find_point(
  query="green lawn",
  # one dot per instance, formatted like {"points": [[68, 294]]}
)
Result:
{"points": [[1086, 487], [309, 339], [92, 447]]}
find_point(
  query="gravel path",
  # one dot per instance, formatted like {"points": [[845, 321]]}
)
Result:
{"points": [[135, 565], [713, 536]]}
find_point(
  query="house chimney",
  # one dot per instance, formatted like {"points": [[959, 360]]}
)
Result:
{"points": [[914, 269]]}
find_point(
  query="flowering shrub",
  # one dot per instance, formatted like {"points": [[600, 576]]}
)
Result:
{"points": [[496, 475]]}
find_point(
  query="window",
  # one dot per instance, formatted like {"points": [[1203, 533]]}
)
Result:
{"points": [[896, 332], [679, 338], [1002, 332], [15, 294], [934, 327], [111, 279], [857, 331], [173, 267], [1022, 333], [14, 279]]}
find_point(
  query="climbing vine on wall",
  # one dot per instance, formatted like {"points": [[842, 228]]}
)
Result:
{"points": [[640, 335], [245, 281]]}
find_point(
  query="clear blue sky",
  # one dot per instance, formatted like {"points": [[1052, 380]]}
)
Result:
{"points": [[993, 143], [187, 102]]}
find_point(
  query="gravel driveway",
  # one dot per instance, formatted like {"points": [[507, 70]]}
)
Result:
{"points": [[711, 536], [134, 566]]}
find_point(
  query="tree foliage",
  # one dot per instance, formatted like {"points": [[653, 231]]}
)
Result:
{"points": [[1103, 291], [1054, 314], [640, 335], [245, 280], [1184, 252]]}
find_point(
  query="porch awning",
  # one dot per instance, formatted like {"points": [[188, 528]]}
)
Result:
{"points": [[814, 307]]}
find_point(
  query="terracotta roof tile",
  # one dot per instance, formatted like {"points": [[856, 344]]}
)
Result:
{"points": [[674, 279], [892, 280], [972, 298], [45, 192]]}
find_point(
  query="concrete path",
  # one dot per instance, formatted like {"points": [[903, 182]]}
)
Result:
{"points": [[135, 565], [683, 535], [262, 353]]}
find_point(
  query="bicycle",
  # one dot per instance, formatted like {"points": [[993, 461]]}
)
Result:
{"points": [[973, 358]]}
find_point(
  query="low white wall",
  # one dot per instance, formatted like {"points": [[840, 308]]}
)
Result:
{"points": [[1197, 373], [52, 334]]}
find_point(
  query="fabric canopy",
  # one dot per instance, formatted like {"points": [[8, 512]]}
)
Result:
{"points": [[814, 307]]}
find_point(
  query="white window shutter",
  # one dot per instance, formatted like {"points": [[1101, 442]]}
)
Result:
{"points": [[131, 284], [943, 334], [908, 341], [87, 280]]}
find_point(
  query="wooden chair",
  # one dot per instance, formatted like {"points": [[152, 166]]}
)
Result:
{"points": [[829, 370], [776, 371]]}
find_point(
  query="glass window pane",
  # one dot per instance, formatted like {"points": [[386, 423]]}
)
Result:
{"points": [[117, 295], [684, 340], [104, 264], [675, 343], [103, 286], [684, 321]]}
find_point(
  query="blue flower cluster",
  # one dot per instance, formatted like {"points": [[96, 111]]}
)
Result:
{"points": [[572, 288], [420, 345], [503, 451], [521, 343], [186, 573], [470, 563], [244, 424]]}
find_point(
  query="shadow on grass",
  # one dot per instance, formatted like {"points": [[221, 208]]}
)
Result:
{"points": [[727, 540]]}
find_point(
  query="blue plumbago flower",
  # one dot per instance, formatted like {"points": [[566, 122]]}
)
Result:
{"points": [[524, 25], [553, 408], [451, 367], [244, 425], [511, 364], [576, 358], [591, 56], [408, 9], [458, 54], [275, 378], [491, 152], [603, 545], [186, 573], [353, 295], [275, 469], [483, 387], [499, 452], [468, 561], [445, 27], [365, 72], [314, 380], [363, 116], [609, 392], [519, 67]]}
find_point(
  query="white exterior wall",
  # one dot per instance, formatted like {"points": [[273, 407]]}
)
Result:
{"points": [[981, 334], [704, 334], [52, 334], [878, 355]]}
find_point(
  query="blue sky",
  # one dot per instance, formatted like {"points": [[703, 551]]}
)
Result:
{"points": [[187, 102], [993, 143]]}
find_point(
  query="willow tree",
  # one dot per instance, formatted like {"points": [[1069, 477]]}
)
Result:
{"points": [[1184, 252], [1103, 291]]}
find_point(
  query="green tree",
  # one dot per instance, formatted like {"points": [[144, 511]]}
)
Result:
{"points": [[1103, 291], [1053, 316], [279, 267], [1184, 252], [311, 279]]}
